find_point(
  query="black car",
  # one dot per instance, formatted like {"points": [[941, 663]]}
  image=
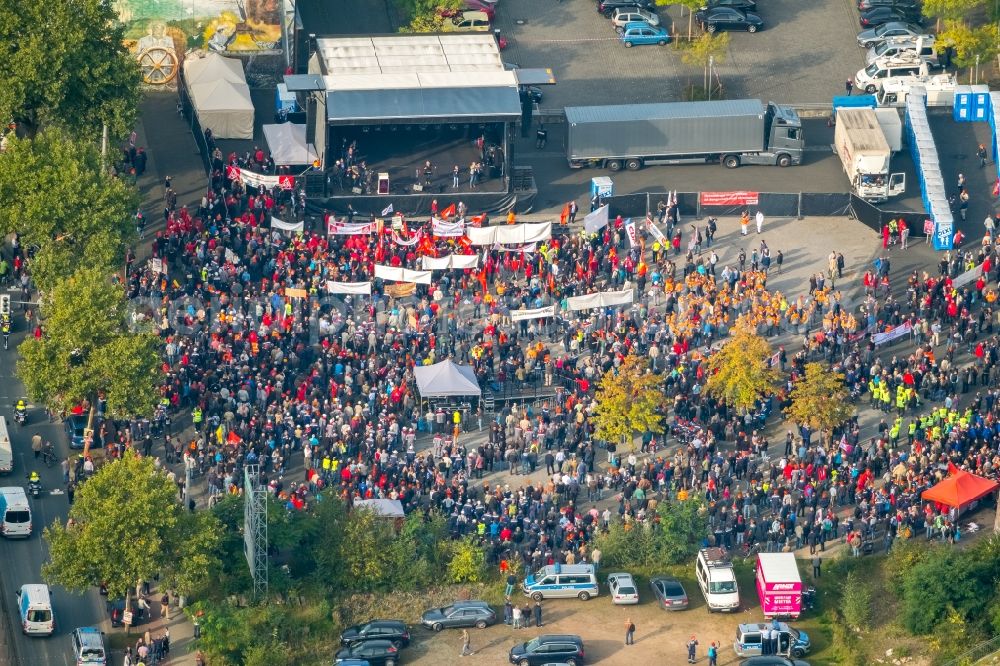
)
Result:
{"points": [[460, 614], [387, 630], [376, 653], [743, 5], [908, 5], [727, 18], [885, 14], [76, 425], [548, 648], [608, 7]]}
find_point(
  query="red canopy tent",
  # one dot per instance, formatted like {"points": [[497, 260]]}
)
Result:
{"points": [[959, 489]]}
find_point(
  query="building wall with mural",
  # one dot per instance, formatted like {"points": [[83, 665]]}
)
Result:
{"points": [[160, 32]]}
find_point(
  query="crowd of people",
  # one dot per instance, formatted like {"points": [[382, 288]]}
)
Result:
{"points": [[280, 380]]}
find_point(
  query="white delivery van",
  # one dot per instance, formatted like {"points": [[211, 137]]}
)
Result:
{"points": [[717, 580], [15, 512], [905, 67], [35, 607], [6, 451]]}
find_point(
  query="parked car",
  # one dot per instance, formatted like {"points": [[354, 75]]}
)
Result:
{"points": [[607, 7], [669, 593], [116, 613], [623, 589], [624, 16], [884, 14], [75, 425], [390, 630], [773, 660], [470, 22], [548, 648], [482, 6], [727, 18], [477, 614], [534, 93], [865, 5], [376, 653], [642, 33], [872, 36], [743, 5]]}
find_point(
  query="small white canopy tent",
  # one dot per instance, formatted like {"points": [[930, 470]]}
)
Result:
{"points": [[224, 107], [386, 508], [287, 143], [446, 379], [213, 67]]}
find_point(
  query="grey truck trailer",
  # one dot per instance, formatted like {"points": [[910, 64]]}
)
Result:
{"points": [[730, 132]]}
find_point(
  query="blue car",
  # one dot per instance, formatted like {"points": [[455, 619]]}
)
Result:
{"points": [[638, 32]]}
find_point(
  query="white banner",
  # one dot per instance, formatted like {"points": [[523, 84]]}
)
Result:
{"points": [[335, 228], [601, 299], [967, 277], [156, 265], [348, 287], [898, 332], [281, 225], [536, 313], [596, 220], [527, 249], [285, 182], [447, 229], [402, 274], [413, 240], [511, 234], [450, 262], [631, 232], [656, 233]]}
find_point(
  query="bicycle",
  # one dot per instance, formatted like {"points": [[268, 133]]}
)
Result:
{"points": [[48, 456]]}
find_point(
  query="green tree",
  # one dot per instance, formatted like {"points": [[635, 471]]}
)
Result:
{"points": [[55, 194], [740, 373], [127, 526], [468, 563], [368, 558], [950, 9], [691, 5], [65, 63], [820, 399], [970, 42], [683, 524], [87, 350], [429, 15], [629, 399], [708, 49], [856, 601]]}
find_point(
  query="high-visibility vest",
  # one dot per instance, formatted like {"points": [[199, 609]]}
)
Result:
{"points": [[196, 415]]}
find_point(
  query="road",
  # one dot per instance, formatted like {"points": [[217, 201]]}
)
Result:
{"points": [[22, 559]]}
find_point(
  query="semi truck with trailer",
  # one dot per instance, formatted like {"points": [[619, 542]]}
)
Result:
{"points": [[866, 156], [728, 132]]}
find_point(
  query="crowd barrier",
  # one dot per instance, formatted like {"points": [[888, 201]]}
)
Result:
{"points": [[774, 204]]}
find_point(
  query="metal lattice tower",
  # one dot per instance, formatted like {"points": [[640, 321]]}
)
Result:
{"points": [[255, 529]]}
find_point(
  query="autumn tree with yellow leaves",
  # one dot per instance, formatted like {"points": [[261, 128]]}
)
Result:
{"points": [[740, 373], [629, 399], [820, 399]]}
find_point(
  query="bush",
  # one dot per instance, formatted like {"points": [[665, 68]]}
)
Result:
{"points": [[468, 563], [856, 602]]}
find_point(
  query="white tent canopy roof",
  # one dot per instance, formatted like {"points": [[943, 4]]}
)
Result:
{"points": [[446, 379], [213, 67], [287, 142], [386, 508], [221, 96]]}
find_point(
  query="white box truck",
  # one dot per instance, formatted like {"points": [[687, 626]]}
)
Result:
{"points": [[866, 156]]}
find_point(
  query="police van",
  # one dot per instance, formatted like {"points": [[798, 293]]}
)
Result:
{"points": [[791, 642], [15, 513], [88, 647], [35, 608], [564, 581]]}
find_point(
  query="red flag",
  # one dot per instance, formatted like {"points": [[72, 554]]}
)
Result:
{"points": [[233, 438], [448, 212]]}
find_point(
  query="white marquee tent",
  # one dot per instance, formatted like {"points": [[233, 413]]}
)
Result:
{"points": [[446, 379], [220, 95]]}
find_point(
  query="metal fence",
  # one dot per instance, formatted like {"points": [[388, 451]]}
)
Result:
{"points": [[779, 204], [977, 653]]}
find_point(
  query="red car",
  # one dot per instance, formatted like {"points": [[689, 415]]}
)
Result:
{"points": [[482, 6]]}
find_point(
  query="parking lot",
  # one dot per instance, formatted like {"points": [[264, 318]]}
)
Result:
{"points": [[803, 55]]}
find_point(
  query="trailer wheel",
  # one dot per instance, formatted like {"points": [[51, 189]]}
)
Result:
{"points": [[730, 161], [614, 165], [633, 164], [870, 88], [784, 161]]}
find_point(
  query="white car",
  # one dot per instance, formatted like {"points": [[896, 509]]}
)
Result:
{"points": [[623, 589], [632, 14]]}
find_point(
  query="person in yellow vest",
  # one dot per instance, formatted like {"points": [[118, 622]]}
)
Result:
{"points": [[196, 418]]}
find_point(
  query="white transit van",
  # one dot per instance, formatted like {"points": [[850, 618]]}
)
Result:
{"points": [[15, 513], [88, 647], [35, 607], [562, 581], [6, 452], [717, 580]]}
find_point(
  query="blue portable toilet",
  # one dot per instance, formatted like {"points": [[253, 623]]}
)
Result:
{"points": [[601, 187], [980, 102], [963, 104]]}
